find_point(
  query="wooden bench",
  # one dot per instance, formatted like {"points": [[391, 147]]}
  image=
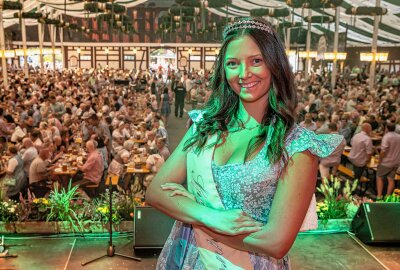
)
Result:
{"points": [[349, 172]]}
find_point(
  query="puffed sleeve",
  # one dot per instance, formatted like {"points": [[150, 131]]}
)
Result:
{"points": [[322, 145], [196, 116], [301, 139]]}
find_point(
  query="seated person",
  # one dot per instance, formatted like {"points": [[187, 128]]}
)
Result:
{"points": [[15, 169], [162, 148], [93, 167], [153, 163], [39, 173], [151, 139], [117, 165], [29, 153], [330, 164]]}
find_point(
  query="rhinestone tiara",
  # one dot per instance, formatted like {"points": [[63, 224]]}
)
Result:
{"points": [[248, 23]]}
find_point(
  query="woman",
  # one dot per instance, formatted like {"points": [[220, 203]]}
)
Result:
{"points": [[251, 172], [165, 108], [15, 170]]}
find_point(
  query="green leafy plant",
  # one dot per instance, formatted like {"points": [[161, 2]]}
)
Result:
{"points": [[337, 203], [395, 197], [62, 207]]}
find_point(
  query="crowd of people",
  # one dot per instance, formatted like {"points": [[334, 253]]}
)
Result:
{"points": [[42, 116]]}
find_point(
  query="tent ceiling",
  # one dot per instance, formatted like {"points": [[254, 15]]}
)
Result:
{"points": [[359, 28]]}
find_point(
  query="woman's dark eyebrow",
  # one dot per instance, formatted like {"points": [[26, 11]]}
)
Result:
{"points": [[250, 56]]}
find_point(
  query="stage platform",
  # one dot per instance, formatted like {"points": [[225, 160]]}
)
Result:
{"points": [[316, 251]]}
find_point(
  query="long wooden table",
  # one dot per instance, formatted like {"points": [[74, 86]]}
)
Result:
{"points": [[372, 164]]}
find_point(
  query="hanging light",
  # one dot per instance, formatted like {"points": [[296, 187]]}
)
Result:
{"points": [[369, 56], [216, 51], [190, 51], [290, 52], [47, 51], [106, 50], [19, 52], [134, 51], [333, 56], [310, 54], [8, 53], [381, 56], [78, 51]]}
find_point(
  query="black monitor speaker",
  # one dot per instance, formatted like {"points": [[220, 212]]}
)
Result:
{"points": [[151, 228], [377, 223]]}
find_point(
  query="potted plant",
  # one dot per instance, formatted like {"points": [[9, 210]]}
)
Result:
{"points": [[8, 214], [395, 197], [338, 207]]}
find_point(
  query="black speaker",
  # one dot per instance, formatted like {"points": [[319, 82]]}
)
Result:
{"points": [[151, 228], [377, 223]]}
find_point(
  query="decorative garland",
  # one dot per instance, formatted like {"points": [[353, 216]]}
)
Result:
{"points": [[188, 3], [372, 11], [271, 12], [50, 21], [98, 7], [319, 19], [186, 11], [313, 3], [11, 5], [115, 17], [218, 3], [29, 15], [289, 24]]}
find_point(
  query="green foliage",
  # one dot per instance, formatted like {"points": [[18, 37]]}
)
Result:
{"points": [[319, 19], [259, 12], [11, 5], [335, 204], [218, 3], [313, 3], [189, 3], [366, 11], [29, 15], [123, 206], [62, 207], [67, 205], [271, 12], [395, 197], [100, 7]]}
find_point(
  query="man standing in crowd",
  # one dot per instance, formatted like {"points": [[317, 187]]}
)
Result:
{"points": [[180, 93], [361, 150], [389, 160]]}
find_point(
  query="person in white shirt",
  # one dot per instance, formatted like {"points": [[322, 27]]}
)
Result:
{"points": [[153, 163], [389, 160], [29, 154], [361, 150]]}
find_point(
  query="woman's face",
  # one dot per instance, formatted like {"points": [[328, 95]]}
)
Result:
{"points": [[246, 71]]}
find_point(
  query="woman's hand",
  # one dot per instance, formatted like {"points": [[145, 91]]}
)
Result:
{"points": [[177, 190], [231, 222]]}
